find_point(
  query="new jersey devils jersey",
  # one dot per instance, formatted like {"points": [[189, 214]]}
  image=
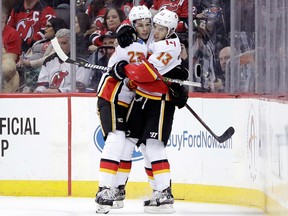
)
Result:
{"points": [[56, 74], [30, 23], [98, 19], [178, 6]]}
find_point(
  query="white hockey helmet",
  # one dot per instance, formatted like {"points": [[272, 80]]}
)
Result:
{"points": [[139, 12], [167, 19]]}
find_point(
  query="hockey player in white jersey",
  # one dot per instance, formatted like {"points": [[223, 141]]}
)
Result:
{"points": [[140, 19], [151, 112], [114, 98]]}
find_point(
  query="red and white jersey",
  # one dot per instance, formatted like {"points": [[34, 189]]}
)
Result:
{"points": [[165, 55], [178, 6], [117, 91], [56, 74], [98, 20], [30, 23], [126, 8]]}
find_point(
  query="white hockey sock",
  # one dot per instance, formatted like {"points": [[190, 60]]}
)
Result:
{"points": [[110, 158], [156, 153]]}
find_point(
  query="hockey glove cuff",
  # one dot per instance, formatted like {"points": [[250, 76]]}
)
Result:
{"points": [[179, 72], [117, 71]]}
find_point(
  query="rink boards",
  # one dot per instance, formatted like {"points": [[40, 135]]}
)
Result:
{"points": [[51, 146]]}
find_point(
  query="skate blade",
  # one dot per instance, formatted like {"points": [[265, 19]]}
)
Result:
{"points": [[162, 209], [117, 204], [102, 209]]}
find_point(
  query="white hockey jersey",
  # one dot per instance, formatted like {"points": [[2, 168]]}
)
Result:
{"points": [[117, 91], [165, 55]]}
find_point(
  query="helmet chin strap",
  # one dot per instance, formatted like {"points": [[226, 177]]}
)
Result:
{"points": [[170, 32]]}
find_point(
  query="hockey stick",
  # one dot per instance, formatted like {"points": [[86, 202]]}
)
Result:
{"points": [[225, 136], [182, 82], [65, 58]]}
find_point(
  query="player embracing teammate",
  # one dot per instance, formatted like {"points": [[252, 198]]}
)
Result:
{"points": [[150, 115], [114, 98]]}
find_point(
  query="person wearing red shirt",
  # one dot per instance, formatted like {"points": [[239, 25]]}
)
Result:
{"points": [[180, 7], [10, 37], [112, 19], [11, 50], [29, 18]]}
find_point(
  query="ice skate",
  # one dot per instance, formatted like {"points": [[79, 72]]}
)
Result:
{"points": [[104, 199], [120, 196], [160, 203]]}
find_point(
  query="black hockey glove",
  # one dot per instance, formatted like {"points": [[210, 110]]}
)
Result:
{"points": [[179, 72], [126, 35], [179, 94], [117, 70]]}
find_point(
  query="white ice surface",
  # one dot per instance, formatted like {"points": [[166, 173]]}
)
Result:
{"points": [[40, 206]]}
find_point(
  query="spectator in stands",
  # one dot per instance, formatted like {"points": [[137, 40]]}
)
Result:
{"points": [[42, 48], [112, 19], [29, 18], [224, 57], [10, 37], [245, 65], [180, 7], [215, 14], [55, 75], [11, 50], [63, 11], [108, 40], [82, 25], [30, 63], [125, 6], [81, 6], [204, 59], [101, 57], [96, 10], [147, 3]]}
